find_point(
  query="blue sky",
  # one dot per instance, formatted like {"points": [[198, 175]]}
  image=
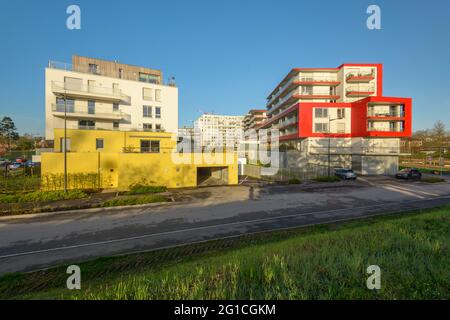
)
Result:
{"points": [[228, 55]]}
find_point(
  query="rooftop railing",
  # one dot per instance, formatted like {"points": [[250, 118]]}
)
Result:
{"points": [[90, 90]]}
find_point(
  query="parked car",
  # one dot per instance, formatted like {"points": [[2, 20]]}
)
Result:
{"points": [[346, 174], [15, 165], [409, 173], [4, 161], [21, 159]]}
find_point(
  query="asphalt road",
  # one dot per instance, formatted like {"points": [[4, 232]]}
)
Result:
{"points": [[38, 242]]}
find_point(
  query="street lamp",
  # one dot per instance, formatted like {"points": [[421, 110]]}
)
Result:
{"points": [[65, 139], [329, 142]]}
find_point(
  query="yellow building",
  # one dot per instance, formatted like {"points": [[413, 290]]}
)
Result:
{"points": [[118, 159]]}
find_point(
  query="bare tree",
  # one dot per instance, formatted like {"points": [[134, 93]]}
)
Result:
{"points": [[439, 133]]}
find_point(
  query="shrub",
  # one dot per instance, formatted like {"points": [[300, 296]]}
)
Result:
{"points": [[294, 181], [141, 189], [42, 196], [130, 201], [433, 180], [327, 179]]}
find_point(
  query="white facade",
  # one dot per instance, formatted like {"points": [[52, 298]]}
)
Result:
{"points": [[107, 103], [219, 130]]}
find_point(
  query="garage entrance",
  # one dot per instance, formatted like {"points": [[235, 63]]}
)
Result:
{"points": [[212, 176]]}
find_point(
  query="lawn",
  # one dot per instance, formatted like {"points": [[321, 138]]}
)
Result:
{"points": [[323, 262]]}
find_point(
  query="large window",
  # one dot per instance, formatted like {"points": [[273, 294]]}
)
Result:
{"points": [[157, 112], [93, 68], [321, 112], [147, 94], [60, 105], [147, 77], [321, 127], [147, 111], [147, 126], [99, 144], [150, 146], [86, 124]]}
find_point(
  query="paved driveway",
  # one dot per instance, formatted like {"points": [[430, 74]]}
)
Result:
{"points": [[208, 213]]}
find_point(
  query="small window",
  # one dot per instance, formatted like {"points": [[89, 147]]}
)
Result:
{"points": [[120, 73], [86, 124], [321, 113], [158, 127], [91, 107], [147, 111], [150, 146], [157, 112], [93, 68], [147, 126], [147, 94], [321, 127], [341, 113], [115, 107], [98, 143], [115, 124], [307, 91]]}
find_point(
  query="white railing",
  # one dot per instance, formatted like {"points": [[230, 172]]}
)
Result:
{"points": [[84, 110], [386, 129], [88, 89]]}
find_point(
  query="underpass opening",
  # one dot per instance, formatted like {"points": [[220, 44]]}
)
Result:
{"points": [[212, 176]]}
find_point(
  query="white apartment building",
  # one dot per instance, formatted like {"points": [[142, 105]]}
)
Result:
{"points": [[106, 95], [219, 130]]}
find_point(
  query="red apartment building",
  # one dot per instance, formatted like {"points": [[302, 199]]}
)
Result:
{"points": [[341, 111]]}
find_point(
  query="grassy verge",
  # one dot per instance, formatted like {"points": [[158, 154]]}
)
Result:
{"points": [[142, 189], [42, 196], [327, 179], [323, 262], [130, 200], [433, 180]]}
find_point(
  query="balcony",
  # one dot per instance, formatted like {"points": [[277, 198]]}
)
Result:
{"points": [[82, 112], [385, 129], [379, 114], [79, 90], [360, 91], [356, 77], [317, 81]]}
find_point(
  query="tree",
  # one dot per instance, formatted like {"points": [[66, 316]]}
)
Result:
{"points": [[439, 133], [8, 131]]}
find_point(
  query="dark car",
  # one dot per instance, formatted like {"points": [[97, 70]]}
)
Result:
{"points": [[345, 174], [409, 173]]}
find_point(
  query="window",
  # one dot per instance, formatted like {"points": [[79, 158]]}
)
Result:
{"points": [[158, 127], [149, 78], [115, 125], [115, 107], [93, 68], [98, 143], [157, 112], [341, 113], [150, 146], [307, 90], [321, 113], [147, 94], [62, 145], [91, 107], [60, 106], [86, 124], [321, 127], [147, 126], [158, 95], [120, 73], [147, 111]]}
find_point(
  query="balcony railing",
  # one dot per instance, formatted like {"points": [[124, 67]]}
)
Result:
{"points": [[397, 114], [360, 76], [81, 127], [90, 91], [385, 129], [83, 111], [360, 91]]}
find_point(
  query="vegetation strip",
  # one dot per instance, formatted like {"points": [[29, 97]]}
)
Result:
{"points": [[321, 262]]}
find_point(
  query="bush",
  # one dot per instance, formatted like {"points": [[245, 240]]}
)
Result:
{"points": [[433, 180], [42, 196], [141, 189], [327, 179], [294, 181], [130, 201]]}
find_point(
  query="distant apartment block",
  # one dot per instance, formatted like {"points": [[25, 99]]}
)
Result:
{"points": [[341, 111], [97, 94], [254, 118], [219, 130]]}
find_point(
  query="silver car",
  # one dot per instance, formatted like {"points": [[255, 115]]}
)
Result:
{"points": [[346, 174]]}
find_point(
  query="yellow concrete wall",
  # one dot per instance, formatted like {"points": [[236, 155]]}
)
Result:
{"points": [[120, 170]]}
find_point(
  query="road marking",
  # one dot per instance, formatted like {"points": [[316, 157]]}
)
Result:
{"points": [[392, 188], [415, 190], [204, 227]]}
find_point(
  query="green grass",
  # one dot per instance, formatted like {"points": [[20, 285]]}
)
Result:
{"points": [[142, 189], [323, 262], [130, 200], [433, 179], [42, 196], [327, 179], [294, 181]]}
